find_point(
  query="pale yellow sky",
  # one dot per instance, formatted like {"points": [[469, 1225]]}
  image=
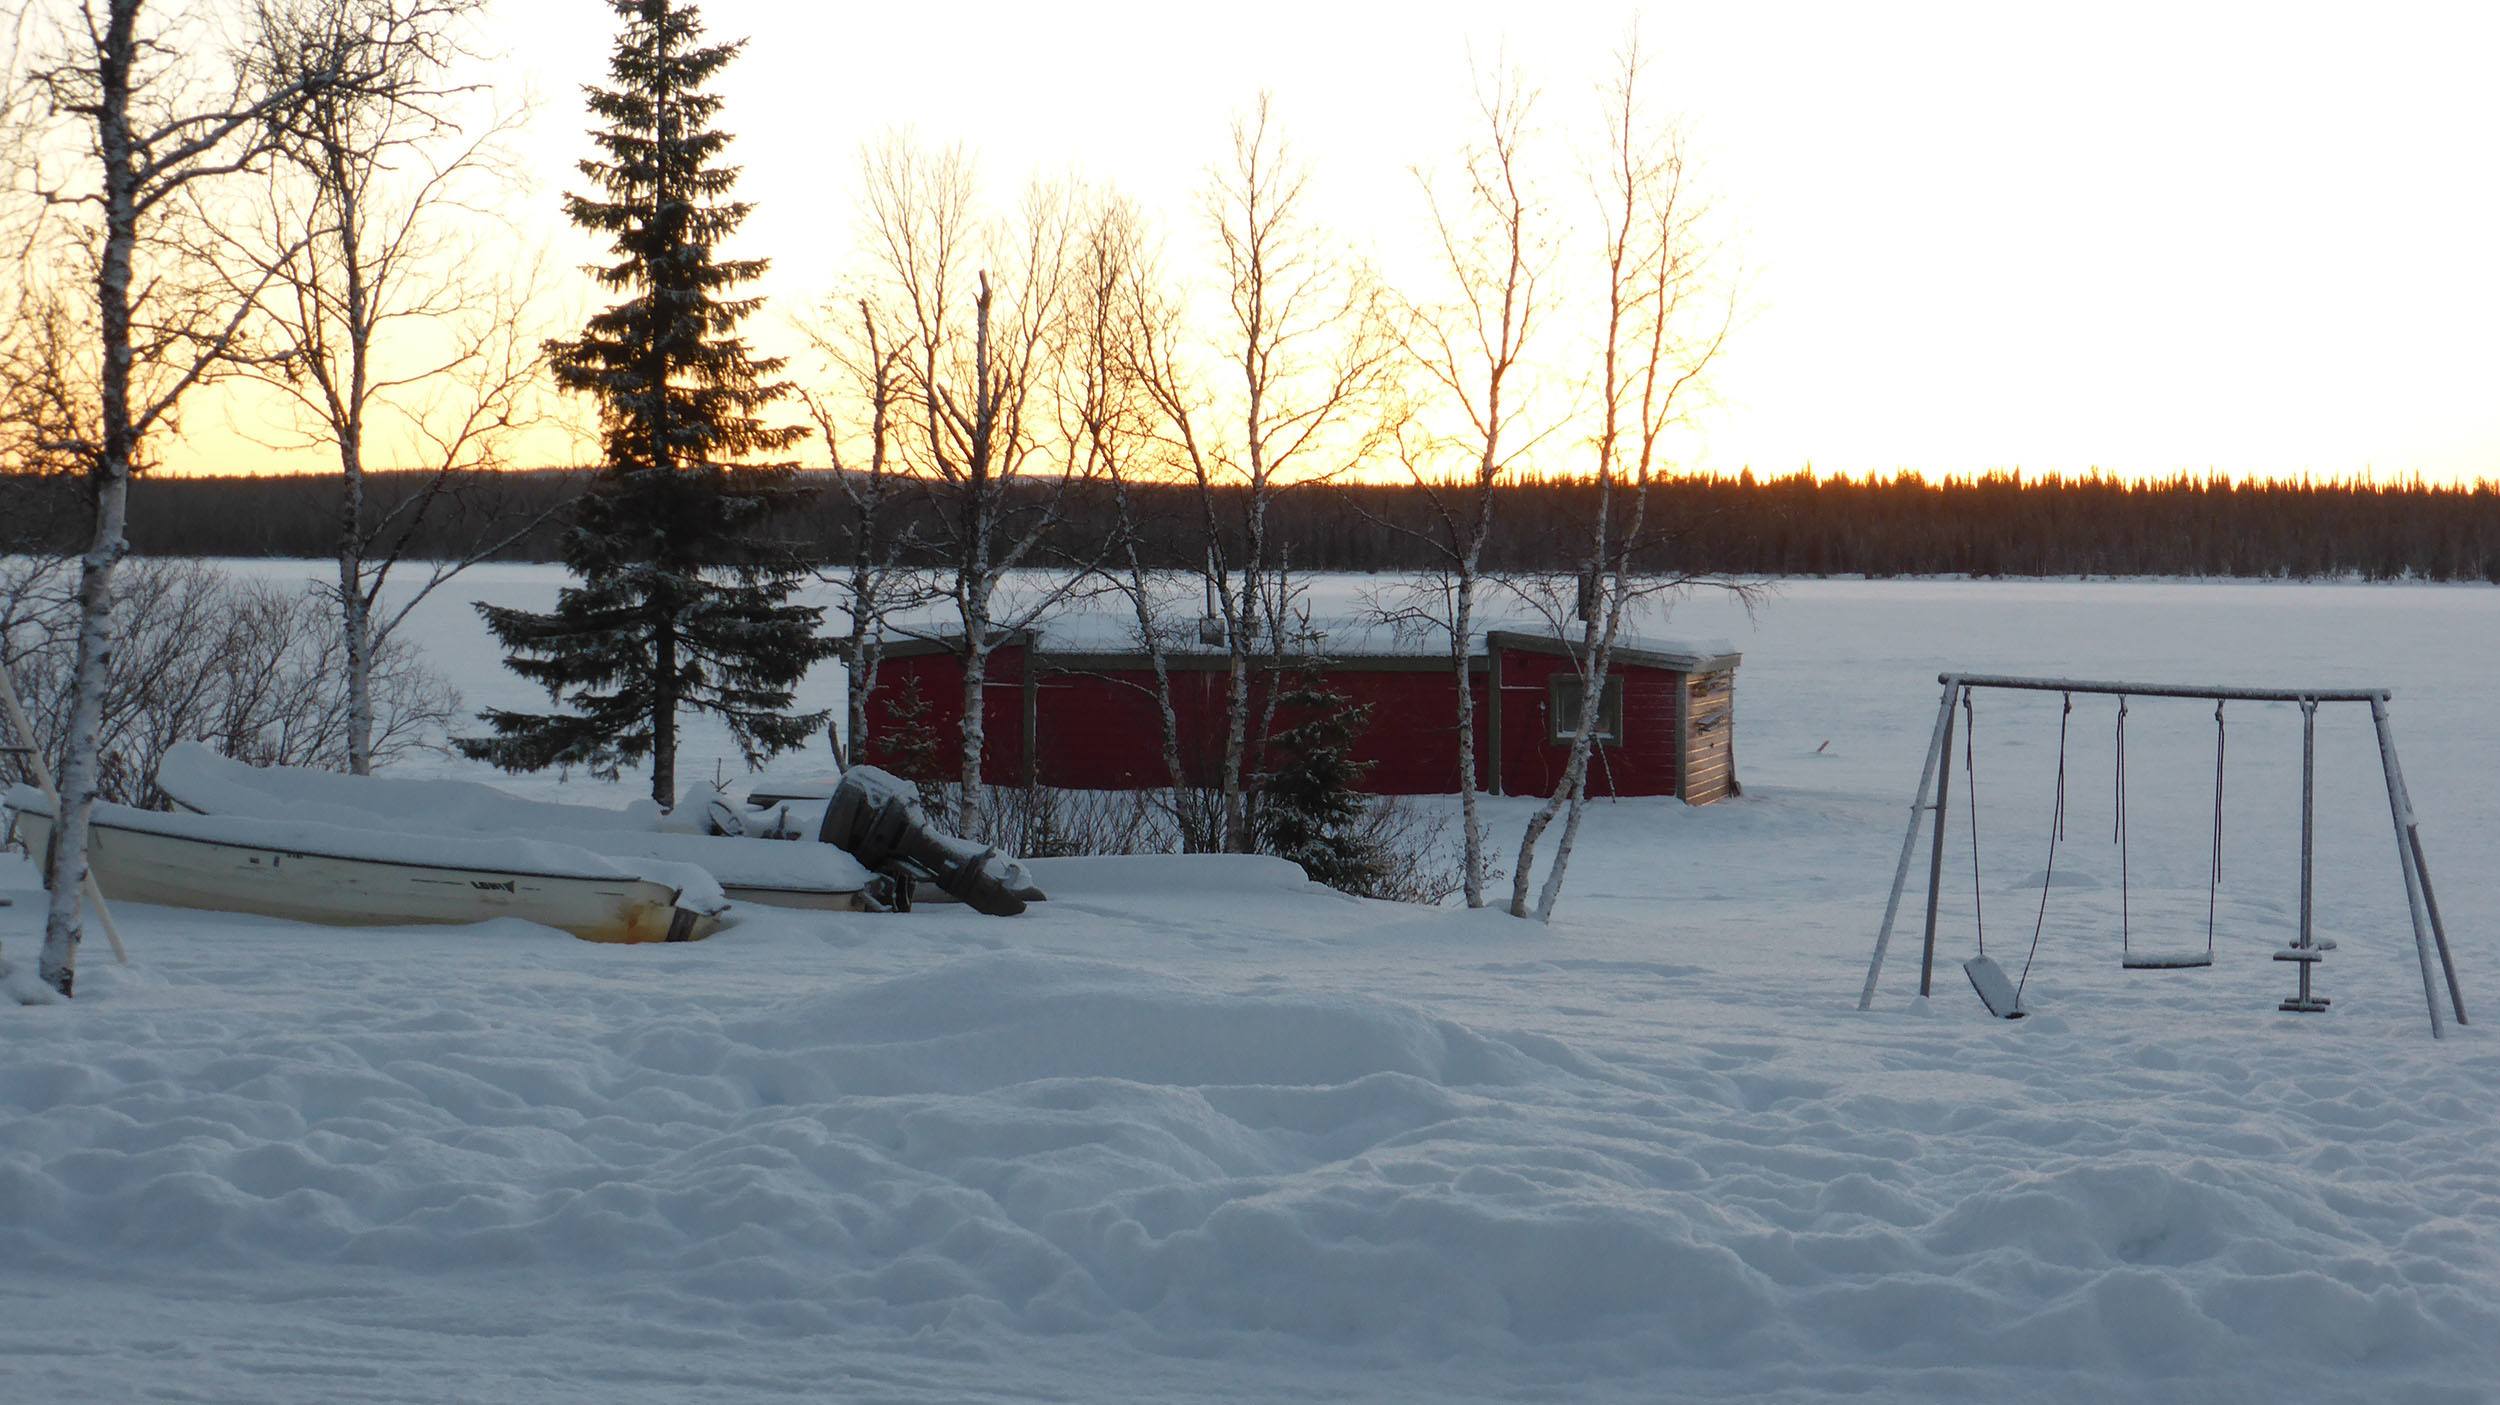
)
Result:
{"points": [[2143, 237]]}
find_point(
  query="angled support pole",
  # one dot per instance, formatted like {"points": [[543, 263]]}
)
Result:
{"points": [[2398, 811], [14, 713], [1909, 847], [2423, 903]]}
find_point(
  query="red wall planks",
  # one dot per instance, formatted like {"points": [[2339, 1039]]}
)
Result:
{"points": [[1098, 727], [1640, 762]]}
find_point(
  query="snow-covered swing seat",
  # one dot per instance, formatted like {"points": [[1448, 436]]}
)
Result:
{"points": [[2003, 994]]}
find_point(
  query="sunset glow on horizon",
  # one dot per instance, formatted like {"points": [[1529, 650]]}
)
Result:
{"points": [[2146, 240]]}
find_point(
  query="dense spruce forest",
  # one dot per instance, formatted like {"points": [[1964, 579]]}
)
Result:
{"points": [[1796, 524]]}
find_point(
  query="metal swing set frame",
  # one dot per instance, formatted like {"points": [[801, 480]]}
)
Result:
{"points": [[2429, 931]]}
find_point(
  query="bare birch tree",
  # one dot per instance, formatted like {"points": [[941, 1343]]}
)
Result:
{"points": [[979, 309], [47, 404], [1285, 395], [1477, 419], [875, 581], [1108, 422], [380, 330], [131, 110], [1666, 320]]}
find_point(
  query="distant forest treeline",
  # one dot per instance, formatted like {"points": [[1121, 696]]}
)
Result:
{"points": [[1792, 525]]}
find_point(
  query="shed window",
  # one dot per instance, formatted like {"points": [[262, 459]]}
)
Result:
{"points": [[1565, 692]]}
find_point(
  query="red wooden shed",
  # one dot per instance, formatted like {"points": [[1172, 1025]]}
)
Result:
{"points": [[1065, 710]]}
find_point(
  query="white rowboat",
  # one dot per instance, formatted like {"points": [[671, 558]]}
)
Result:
{"points": [[774, 874], [312, 872]]}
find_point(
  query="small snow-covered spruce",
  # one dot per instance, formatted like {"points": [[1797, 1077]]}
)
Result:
{"points": [[910, 743], [683, 602], [1309, 811]]}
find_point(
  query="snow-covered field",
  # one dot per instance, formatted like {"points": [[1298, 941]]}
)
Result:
{"points": [[1197, 1130]]}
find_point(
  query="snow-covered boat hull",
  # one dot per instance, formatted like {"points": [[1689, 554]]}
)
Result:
{"points": [[756, 871], [136, 861]]}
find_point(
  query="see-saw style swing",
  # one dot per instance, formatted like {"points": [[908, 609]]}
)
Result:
{"points": [[2003, 995]]}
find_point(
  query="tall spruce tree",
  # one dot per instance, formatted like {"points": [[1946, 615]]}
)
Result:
{"points": [[681, 602]]}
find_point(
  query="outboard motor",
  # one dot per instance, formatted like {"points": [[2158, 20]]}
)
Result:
{"points": [[877, 818]]}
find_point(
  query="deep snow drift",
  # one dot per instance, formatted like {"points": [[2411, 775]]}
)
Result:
{"points": [[1196, 1129]]}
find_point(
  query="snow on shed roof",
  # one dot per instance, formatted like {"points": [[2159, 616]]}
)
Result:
{"points": [[1345, 637]]}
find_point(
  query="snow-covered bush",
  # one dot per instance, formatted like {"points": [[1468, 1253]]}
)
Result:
{"points": [[1409, 853], [251, 668]]}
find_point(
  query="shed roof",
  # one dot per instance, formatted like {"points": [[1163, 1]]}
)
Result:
{"points": [[1100, 631]]}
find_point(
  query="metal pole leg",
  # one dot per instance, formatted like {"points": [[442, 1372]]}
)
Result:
{"points": [[2430, 901], [2422, 874], [2303, 950], [2404, 857], [1909, 847], [1935, 856]]}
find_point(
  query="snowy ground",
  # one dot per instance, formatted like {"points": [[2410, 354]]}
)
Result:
{"points": [[1196, 1130]]}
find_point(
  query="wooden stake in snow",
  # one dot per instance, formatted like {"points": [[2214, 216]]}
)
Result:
{"points": [[14, 713]]}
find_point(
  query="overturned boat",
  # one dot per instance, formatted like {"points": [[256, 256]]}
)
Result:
{"points": [[311, 871], [815, 876]]}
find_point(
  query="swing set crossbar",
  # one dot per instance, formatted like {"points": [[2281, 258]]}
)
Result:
{"points": [[2208, 692], [1935, 777]]}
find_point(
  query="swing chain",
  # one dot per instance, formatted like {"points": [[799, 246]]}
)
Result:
{"points": [[2118, 835], [2213, 883], [1970, 777], [2057, 831]]}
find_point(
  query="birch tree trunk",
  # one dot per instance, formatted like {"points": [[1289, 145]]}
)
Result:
{"points": [[67, 876], [355, 620], [1655, 271], [972, 820], [1236, 734], [1471, 812], [1304, 363], [155, 124], [350, 419], [986, 375], [1469, 348], [1592, 663]]}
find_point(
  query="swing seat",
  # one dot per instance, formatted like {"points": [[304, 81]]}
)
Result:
{"points": [[2165, 961], [1995, 990]]}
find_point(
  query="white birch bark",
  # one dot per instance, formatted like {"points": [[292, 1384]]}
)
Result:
{"points": [[972, 816], [114, 53], [154, 126], [1469, 348], [1470, 809], [1650, 359], [869, 582], [985, 374], [1284, 398]]}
